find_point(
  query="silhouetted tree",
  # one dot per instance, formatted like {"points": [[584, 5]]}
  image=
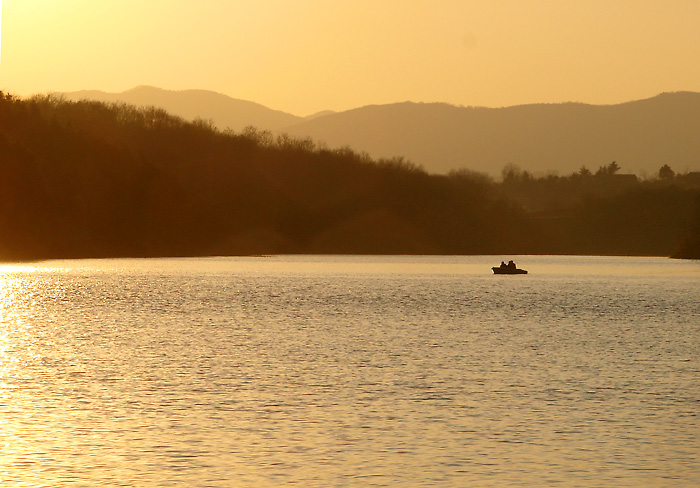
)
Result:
{"points": [[583, 171], [513, 173], [690, 247], [81, 179], [610, 169], [666, 173]]}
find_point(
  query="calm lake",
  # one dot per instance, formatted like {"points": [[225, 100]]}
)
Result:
{"points": [[357, 371]]}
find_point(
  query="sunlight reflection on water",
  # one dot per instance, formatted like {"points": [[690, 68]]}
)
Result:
{"points": [[350, 371]]}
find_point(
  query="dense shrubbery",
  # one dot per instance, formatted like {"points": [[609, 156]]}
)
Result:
{"points": [[606, 212], [82, 179]]}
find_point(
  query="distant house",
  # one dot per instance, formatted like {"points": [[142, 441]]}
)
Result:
{"points": [[617, 180], [610, 184], [689, 180], [624, 179]]}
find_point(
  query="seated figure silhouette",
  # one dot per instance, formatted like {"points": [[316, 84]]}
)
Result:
{"points": [[508, 269]]}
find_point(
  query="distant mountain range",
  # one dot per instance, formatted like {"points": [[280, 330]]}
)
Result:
{"points": [[224, 111], [641, 135]]}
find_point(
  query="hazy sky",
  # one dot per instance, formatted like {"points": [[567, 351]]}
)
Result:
{"points": [[303, 56]]}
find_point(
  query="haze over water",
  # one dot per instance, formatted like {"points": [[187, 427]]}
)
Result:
{"points": [[350, 371]]}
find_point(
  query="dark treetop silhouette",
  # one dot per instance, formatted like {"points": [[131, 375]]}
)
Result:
{"points": [[89, 179]]}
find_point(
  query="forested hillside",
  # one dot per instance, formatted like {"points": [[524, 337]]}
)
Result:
{"points": [[544, 138], [641, 135], [88, 179], [224, 111]]}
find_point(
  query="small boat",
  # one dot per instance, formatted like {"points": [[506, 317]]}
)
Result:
{"points": [[509, 268], [499, 270]]}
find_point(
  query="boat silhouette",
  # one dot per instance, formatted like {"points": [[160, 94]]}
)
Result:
{"points": [[509, 268]]}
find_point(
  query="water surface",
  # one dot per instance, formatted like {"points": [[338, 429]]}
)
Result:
{"points": [[350, 372]]}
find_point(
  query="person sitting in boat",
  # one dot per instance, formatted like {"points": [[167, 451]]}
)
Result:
{"points": [[511, 264], [503, 265]]}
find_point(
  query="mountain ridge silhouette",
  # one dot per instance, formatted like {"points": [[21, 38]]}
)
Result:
{"points": [[226, 112], [641, 135]]}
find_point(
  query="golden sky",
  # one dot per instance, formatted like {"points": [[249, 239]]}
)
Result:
{"points": [[303, 56]]}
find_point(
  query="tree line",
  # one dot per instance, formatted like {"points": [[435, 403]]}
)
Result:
{"points": [[90, 179]]}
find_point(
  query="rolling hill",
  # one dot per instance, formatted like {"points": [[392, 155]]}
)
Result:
{"points": [[99, 180], [640, 135], [224, 111]]}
